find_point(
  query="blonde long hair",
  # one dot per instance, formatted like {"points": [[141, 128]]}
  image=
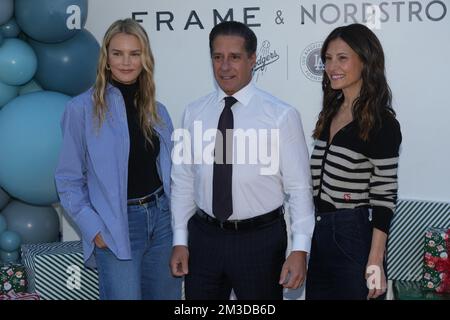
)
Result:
{"points": [[144, 100]]}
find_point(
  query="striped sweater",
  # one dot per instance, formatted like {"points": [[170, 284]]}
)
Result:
{"points": [[349, 172]]}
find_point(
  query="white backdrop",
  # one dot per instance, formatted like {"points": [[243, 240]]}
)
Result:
{"points": [[415, 36]]}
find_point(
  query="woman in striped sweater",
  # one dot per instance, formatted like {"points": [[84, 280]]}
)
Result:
{"points": [[354, 169]]}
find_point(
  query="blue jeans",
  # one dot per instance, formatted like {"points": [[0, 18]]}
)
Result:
{"points": [[147, 275], [339, 254]]}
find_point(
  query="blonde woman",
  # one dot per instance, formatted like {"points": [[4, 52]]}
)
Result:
{"points": [[113, 176]]}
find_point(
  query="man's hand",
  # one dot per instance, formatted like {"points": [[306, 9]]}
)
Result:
{"points": [[99, 243], [293, 272], [179, 261]]}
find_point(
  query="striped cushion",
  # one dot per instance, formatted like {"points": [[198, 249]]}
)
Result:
{"points": [[405, 246], [56, 271]]}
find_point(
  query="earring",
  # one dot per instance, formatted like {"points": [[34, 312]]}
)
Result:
{"points": [[108, 67]]}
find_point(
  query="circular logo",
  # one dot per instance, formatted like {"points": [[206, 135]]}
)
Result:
{"points": [[311, 63]]}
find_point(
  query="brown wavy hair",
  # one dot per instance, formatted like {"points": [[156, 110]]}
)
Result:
{"points": [[145, 100], [375, 98]]}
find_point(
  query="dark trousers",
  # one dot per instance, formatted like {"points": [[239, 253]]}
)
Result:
{"points": [[339, 254], [249, 262]]}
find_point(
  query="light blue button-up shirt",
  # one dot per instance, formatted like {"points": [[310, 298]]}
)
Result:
{"points": [[92, 173]]}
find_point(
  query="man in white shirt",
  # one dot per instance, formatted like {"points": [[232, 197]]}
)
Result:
{"points": [[228, 190]]}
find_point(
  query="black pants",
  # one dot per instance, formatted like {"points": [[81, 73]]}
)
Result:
{"points": [[339, 254], [249, 262]]}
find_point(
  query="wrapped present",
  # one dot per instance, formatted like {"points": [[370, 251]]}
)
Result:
{"points": [[436, 263], [405, 243], [12, 278], [56, 271], [412, 290], [19, 296]]}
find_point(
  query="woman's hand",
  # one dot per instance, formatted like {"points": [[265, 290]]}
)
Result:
{"points": [[376, 278], [98, 240]]}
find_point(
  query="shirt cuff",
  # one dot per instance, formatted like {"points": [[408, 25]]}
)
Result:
{"points": [[381, 218], [180, 237], [89, 223], [301, 242]]}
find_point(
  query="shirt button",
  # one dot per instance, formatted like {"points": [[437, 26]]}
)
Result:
{"points": [[318, 218]]}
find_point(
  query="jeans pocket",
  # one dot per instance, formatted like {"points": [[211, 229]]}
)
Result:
{"points": [[164, 204], [136, 217], [101, 251], [352, 243]]}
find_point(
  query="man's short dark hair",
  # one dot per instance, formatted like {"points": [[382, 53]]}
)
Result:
{"points": [[234, 28]]}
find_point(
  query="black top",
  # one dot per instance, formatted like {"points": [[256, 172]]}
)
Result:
{"points": [[143, 177], [349, 172]]}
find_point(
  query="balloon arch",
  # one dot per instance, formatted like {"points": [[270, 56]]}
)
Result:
{"points": [[46, 57]]}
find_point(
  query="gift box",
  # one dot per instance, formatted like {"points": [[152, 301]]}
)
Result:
{"points": [[412, 290], [436, 263], [56, 271], [19, 296], [12, 278], [405, 243]]}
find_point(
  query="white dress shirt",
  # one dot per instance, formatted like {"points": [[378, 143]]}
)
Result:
{"points": [[254, 192]]}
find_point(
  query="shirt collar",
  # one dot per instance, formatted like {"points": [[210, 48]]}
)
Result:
{"points": [[110, 87], [243, 96]]}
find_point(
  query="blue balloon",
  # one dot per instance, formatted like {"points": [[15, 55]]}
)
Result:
{"points": [[75, 59], [49, 20], [3, 225], [4, 199], [18, 62], [6, 10], [29, 87], [7, 93], [9, 257], [30, 139], [10, 29], [9, 241], [34, 224]]}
